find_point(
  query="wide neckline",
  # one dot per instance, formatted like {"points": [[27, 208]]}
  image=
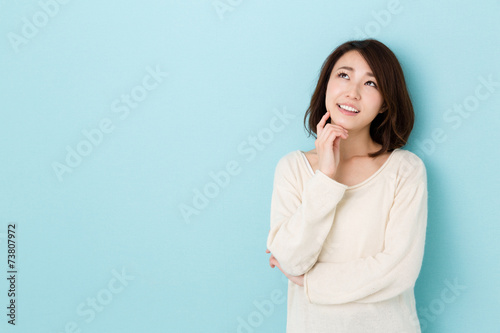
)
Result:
{"points": [[308, 165]]}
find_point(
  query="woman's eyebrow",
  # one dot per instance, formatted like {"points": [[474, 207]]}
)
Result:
{"points": [[352, 69]]}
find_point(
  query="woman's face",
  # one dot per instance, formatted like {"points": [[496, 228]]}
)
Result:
{"points": [[352, 84]]}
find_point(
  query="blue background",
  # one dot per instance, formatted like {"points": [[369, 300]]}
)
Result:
{"points": [[222, 76]]}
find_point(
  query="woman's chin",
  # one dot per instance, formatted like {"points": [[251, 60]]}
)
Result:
{"points": [[340, 122]]}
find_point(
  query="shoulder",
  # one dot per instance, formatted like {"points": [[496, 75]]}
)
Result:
{"points": [[288, 160], [288, 166], [409, 166], [410, 160]]}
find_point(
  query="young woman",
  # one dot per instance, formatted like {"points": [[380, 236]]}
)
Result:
{"points": [[348, 218]]}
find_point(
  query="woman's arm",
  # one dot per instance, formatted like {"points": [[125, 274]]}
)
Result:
{"points": [[299, 280], [388, 273], [300, 222]]}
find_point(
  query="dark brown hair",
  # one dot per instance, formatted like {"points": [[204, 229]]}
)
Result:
{"points": [[391, 128]]}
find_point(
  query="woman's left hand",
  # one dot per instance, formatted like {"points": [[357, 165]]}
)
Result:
{"points": [[299, 280]]}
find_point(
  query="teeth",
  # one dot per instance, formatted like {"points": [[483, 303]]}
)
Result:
{"points": [[348, 108]]}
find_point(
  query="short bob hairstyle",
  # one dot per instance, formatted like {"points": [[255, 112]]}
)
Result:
{"points": [[391, 128]]}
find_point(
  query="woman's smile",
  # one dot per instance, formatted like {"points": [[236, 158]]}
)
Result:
{"points": [[347, 109]]}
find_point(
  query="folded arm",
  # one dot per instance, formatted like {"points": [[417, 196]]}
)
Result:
{"points": [[388, 273], [300, 222]]}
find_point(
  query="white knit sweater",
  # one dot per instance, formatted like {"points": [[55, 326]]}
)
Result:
{"points": [[360, 247]]}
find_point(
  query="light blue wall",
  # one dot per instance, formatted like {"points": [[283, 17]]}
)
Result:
{"points": [[219, 80]]}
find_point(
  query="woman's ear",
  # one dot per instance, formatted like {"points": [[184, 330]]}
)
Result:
{"points": [[383, 108]]}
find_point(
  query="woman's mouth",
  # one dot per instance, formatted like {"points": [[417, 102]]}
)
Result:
{"points": [[347, 110]]}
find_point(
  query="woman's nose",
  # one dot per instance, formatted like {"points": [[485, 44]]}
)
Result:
{"points": [[352, 91]]}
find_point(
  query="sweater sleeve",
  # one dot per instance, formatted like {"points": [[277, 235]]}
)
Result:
{"points": [[388, 273], [300, 222]]}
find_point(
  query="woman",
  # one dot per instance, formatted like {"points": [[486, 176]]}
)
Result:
{"points": [[348, 218]]}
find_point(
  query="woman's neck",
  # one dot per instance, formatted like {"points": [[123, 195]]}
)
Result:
{"points": [[357, 145]]}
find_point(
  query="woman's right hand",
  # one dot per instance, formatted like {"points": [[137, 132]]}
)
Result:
{"points": [[328, 145]]}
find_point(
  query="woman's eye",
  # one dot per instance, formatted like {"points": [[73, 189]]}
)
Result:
{"points": [[344, 75]]}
